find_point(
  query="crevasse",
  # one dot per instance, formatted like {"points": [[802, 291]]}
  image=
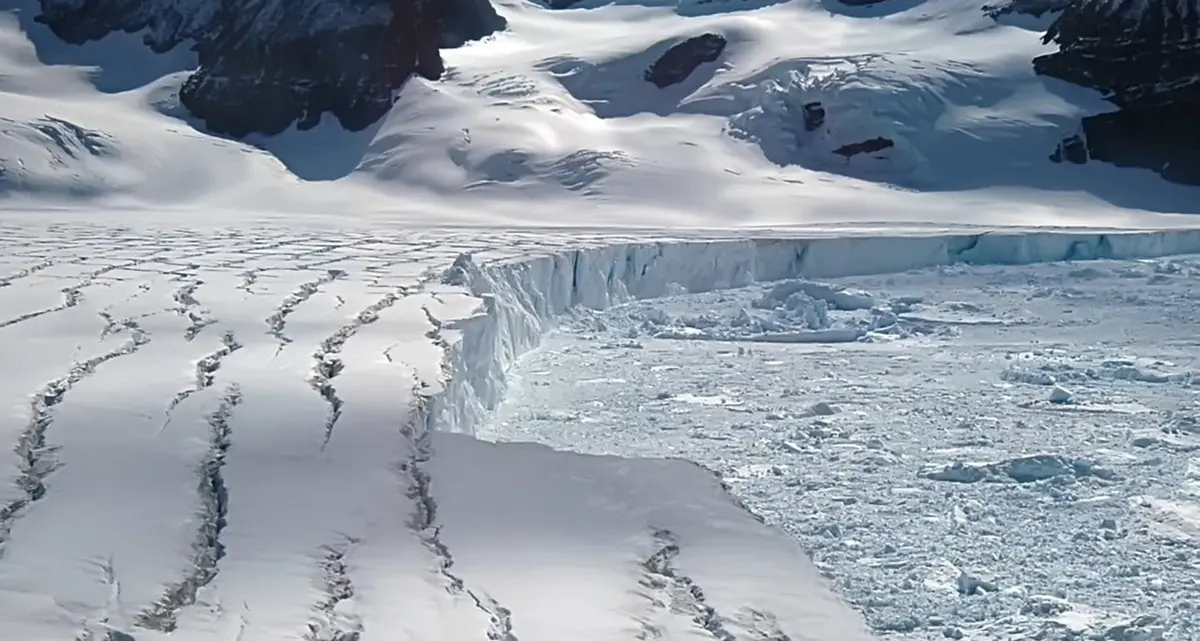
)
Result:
{"points": [[520, 298]]}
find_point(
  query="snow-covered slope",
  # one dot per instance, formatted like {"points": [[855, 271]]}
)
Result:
{"points": [[213, 435], [928, 110]]}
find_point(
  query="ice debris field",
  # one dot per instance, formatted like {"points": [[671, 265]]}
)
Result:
{"points": [[271, 433]]}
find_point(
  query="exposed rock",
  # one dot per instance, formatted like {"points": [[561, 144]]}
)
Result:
{"points": [[865, 147], [266, 64], [1035, 8], [1072, 149], [1164, 138], [1145, 58], [814, 116], [674, 66]]}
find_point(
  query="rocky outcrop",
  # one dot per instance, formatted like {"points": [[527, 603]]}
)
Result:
{"points": [[674, 66], [268, 64], [869, 146], [1165, 138], [814, 115], [1145, 58], [1072, 149], [1035, 8]]}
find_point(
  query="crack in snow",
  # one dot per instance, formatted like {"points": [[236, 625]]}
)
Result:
{"points": [[249, 278], [677, 592], [189, 307], [112, 608], [424, 524], [113, 325], [73, 295], [36, 460], [329, 622], [206, 372], [276, 322], [207, 549], [33, 269], [328, 364]]}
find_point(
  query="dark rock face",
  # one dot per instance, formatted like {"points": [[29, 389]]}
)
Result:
{"points": [[1145, 58], [674, 66], [266, 64], [1035, 8], [869, 146], [1165, 138], [814, 116], [1072, 149]]}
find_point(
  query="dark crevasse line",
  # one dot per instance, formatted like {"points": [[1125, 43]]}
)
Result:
{"points": [[277, 321], [207, 548], [36, 458], [206, 372], [328, 363]]}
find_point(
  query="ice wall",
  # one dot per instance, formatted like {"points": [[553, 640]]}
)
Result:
{"points": [[522, 297]]}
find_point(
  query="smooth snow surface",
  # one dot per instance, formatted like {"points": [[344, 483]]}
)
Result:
{"points": [[1003, 454], [551, 123]]}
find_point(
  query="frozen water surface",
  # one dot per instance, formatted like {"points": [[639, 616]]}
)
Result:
{"points": [[999, 453]]}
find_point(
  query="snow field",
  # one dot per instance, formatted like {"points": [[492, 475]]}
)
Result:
{"points": [[1005, 452], [226, 434], [550, 122], [242, 419]]}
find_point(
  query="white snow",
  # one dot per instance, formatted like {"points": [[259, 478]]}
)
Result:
{"points": [[231, 431], [243, 379], [550, 123]]}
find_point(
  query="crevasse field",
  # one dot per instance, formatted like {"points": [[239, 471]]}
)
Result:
{"points": [[550, 354]]}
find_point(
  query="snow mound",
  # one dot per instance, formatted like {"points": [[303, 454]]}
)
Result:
{"points": [[51, 154], [897, 98]]}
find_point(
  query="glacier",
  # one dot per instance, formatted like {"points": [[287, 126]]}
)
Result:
{"points": [[521, 297]]}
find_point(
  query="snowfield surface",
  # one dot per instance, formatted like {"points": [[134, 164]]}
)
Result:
{"points": [[551, 122], [999, 453], [221, 435], [265, 433]]}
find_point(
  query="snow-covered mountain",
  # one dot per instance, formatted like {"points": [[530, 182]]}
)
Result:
{"points": [[264, 65], [769, 112]]}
